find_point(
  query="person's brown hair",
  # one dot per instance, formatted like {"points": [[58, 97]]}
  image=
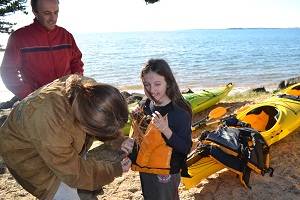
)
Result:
{"points": [[33, 4], [99, 108]]}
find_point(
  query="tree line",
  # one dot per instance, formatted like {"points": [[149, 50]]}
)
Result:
{"points": [[9, 7]]}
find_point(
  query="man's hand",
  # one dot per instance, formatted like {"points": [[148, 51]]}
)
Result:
{"points": [[127, 146], [126, 164]]}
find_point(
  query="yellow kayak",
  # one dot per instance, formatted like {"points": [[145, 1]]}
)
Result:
{"points": [[201, 170], [292, 90], [274, 118]]}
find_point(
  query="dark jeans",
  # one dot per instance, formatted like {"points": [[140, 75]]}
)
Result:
{"points": [[160, 187]]}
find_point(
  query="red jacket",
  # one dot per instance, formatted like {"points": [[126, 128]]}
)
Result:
{"points": [[35, 56]]}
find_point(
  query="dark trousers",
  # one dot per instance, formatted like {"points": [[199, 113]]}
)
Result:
{"points": [[160, 187]]}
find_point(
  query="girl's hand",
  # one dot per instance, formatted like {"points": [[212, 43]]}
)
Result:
{"points": [[162, 124], [126, 164], [136, 112], [127, 146], [137, 109]]}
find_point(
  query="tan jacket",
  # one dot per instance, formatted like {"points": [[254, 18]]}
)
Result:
{"points": [[40, 144]]}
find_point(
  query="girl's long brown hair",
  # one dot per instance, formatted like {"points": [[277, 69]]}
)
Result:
{"points": [[162, 68]]}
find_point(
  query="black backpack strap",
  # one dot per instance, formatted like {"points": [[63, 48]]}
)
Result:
{"points": [[244, 156], [202, 150], [287, 96], [246, 176]]}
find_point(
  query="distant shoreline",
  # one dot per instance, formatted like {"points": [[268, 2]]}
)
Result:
{"points": [[188, 29], [266, 28]]}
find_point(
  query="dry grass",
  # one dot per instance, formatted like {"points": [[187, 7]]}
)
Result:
{"points": [[248, 96]]}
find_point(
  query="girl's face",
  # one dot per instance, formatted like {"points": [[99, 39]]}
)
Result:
{"points": [[155, 87]]}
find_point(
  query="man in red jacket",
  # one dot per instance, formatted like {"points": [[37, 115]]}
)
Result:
{"points": [[39, 53]]}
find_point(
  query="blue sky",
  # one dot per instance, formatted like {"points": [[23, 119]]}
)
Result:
{"points": [[135, 15]]}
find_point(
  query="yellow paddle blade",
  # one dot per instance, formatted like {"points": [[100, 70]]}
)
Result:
{"points": [[217, 113], [213, 114]]}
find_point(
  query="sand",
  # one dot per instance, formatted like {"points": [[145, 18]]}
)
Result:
{"points": [[285, 183]]}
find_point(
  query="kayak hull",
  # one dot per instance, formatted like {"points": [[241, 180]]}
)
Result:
{"points": [[201, 170], [206, 98]]}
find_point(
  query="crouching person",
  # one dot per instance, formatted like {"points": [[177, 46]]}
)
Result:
{"points": [[46, 137]]}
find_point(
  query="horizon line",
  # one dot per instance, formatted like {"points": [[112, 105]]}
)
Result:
{"points": [[188, 29]]}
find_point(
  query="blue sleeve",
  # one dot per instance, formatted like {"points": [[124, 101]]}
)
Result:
{"points": [[181, 139]]}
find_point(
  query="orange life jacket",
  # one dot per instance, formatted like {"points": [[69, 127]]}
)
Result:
{"points": [[154, 155]]}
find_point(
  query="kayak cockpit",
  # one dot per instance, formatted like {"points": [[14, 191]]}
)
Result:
{"points": [[262, 118], [295, 91]]}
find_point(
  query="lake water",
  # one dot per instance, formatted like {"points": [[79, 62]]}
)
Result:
{"points": [[248, 58]]}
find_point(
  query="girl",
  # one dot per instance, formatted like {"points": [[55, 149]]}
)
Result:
{"points": [[162, 153]]}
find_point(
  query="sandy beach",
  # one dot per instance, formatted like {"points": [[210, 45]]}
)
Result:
{"points": [[285, 183]]}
